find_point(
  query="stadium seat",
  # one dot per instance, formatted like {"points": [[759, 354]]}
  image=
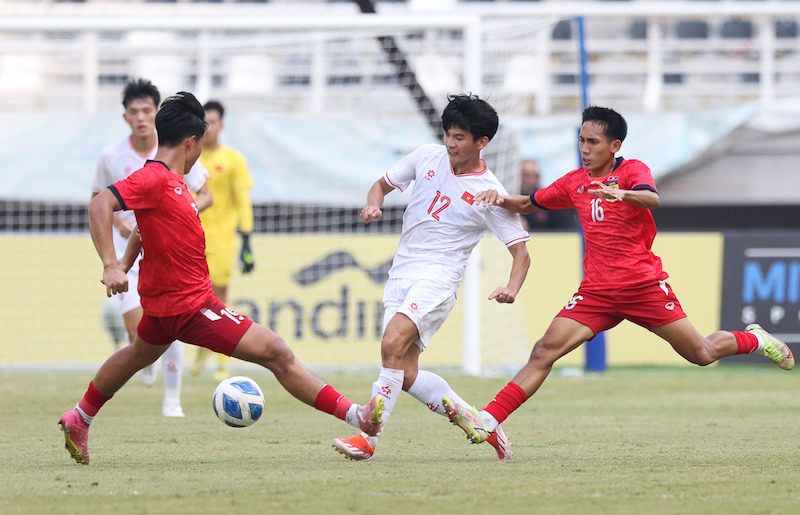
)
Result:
{"points": [[638, 29], [692, 29], [785, 29], [737, 28]]}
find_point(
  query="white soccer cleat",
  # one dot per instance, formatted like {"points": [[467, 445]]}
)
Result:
{"points": [[149, 374], [172, 410]]}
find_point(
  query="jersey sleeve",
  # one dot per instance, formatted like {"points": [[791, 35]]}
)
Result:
{"points": [[506, 225], [196, 177], [102, 175], [555, 196], [405, 170], [139, 190], [639, 177]]}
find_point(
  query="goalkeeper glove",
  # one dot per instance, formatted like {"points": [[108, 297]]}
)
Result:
{"points": [[246, 256]]}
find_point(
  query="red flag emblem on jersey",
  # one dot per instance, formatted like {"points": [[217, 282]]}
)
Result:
{"points": [[469, 197]]}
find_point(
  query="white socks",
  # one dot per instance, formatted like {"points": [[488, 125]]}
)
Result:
{"points": [[760, 341], [429, 389], [172, 361], [351, 417], [389, 386], [86, 418], [489, 421]]}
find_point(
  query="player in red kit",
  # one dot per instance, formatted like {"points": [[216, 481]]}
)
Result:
{"points": [[175, 288], [623, 278]]}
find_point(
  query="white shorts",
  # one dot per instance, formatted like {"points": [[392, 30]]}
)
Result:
{"points": [[427, 303], [130, 299]]}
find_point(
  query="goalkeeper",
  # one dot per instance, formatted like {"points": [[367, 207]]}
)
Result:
{"points": [[230, 184]]}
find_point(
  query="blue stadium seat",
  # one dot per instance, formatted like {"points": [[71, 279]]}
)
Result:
{"points": [[692, 29], [737, 28], [638, 29], [785, 29]]}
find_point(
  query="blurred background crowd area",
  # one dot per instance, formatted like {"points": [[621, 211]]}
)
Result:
{"points": [[709, 87]]}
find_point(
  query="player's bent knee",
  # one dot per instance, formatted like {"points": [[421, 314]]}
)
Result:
{"points": [[264, 347], [544, 353], [700, 357], [394, 348]]}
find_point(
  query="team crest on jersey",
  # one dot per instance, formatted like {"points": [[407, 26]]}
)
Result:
{"points": [[430, 175], [612, 182], [178, 191], [468, 197], [581, 190]]}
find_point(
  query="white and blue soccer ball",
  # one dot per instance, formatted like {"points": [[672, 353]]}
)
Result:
{"points": [[238, 401]]}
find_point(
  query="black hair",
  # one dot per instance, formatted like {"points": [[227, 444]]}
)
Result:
{"points": [[140, 88], [180, 116], [214, 105], [470, 113], [613, 124]]}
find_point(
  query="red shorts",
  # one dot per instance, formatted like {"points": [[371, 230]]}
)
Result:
{"points": [[214, 326], [649, 306]]}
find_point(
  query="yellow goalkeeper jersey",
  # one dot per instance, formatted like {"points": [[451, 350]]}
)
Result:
{"points": [[230, 184]]}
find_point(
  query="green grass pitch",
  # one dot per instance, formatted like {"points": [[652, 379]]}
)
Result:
{"points": [[631, 440]]}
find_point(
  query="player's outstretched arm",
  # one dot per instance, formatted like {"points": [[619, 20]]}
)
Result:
{"points": [[516, 203], [375, 197]]}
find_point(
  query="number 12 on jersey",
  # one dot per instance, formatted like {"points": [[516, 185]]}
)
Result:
{"points": [[444, 200]]}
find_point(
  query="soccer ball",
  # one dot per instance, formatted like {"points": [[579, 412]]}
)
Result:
{"points": [[238, 401]]}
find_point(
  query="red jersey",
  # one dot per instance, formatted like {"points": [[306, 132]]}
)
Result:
{"points": [[173, 275], [618, 235]]}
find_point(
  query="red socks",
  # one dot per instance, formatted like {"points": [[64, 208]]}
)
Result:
{"points": [[745, 342], [332, 402], [92, 401], [507, 400]]}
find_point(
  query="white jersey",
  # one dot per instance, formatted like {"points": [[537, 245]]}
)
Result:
{"points": [[441, 224], [118, 161]]}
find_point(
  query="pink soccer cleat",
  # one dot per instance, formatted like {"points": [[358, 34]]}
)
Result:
{"points": [[370, 416], [76, 436]]}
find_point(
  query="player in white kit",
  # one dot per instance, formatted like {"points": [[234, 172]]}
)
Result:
{"points": [[441, 226], [117, 161]]}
